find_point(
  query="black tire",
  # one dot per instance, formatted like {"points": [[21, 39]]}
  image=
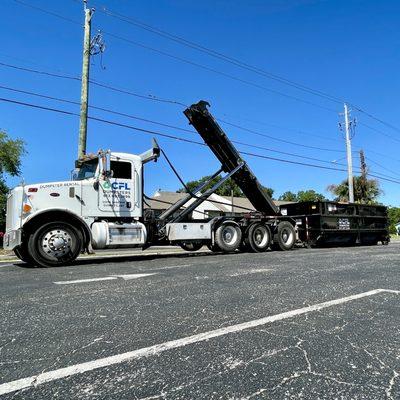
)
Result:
{"points": [[22, 253], [228, 237], [258, 237], [191, 246], [285, 236], [55, 244], [213, 247], [244, 247]]}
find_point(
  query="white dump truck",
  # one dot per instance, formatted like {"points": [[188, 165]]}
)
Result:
{"points": [[50, 224]]}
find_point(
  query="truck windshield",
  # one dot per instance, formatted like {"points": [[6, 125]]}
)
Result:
{"points": [[87, 170]]}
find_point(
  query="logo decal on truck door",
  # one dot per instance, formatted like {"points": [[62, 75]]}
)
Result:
{"points": [[116, 186]]}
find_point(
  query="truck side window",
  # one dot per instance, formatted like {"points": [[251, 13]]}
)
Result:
{"points": [[121, 169]]}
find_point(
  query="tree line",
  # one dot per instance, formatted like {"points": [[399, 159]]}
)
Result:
{"points": [[366, 191]]}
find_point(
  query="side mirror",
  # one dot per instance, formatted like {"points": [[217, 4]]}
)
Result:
{"points": [[105, 164]]}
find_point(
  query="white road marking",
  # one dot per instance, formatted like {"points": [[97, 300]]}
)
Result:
{"points": [[251, 271], [128, 277], [7, 265], [125, 277], [107, 278], [173, 266], [49, 376]]}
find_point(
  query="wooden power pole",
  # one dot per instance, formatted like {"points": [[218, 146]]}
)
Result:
{"points": [[85, 83]]}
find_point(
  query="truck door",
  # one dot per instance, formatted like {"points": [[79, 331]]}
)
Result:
{"points": [[117, 195]]}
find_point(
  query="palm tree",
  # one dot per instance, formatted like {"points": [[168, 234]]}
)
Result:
{"points": [[366, 190]]}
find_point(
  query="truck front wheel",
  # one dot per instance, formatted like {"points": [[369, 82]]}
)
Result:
{"points": [[22, 253], [55, 244]]}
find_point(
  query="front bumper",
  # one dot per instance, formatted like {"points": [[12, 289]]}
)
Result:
{"points": [[12, 239]]}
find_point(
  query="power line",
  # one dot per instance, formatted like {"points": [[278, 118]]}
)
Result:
{"points": [[379, 131], [218, 72], [97, 83], [157, 99], [239, 63], [36, 71], [63, 100], [244, 65], [148, 97], [278, 139], [48, 12], [383, 167], [147, 131], [375, 118], [94, 108], [300, 131], [189, 62], [217, 54], [130, 93]]}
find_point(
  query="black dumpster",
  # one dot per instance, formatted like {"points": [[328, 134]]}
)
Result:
{"points": [[333, 223]]}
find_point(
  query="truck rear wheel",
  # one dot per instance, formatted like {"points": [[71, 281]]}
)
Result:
{"points": [[285, 236], [258, 237], [55, 244], [191, 246], [228, 237]]}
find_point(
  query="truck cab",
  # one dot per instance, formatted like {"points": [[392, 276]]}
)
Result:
{"points": [[100, 207]]}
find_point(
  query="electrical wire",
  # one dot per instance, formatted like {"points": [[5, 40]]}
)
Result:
{"points": [[254, 69], [147, 131], [379, 131], [217, 54], [95, 108], [216, 71], [162, 124], [96, 83], [189, 62], [278, 139], [172, 101], [383, 167], [41, 72]]}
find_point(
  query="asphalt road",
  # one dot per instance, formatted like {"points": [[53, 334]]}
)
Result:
{"points": [[310, 324]]}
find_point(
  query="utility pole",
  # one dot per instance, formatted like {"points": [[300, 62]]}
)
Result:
{"points": [[349, 157], [363, 179], [363, 165], [85, 82]]}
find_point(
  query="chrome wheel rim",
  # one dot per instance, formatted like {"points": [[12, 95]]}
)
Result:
{"points": [[260, 236], [287, 236], [56, 243], [229, 235]]}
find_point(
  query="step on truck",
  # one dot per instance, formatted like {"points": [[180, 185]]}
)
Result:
{"points": [[50, 224]]}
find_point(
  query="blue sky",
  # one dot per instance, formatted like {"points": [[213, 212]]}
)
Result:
{"points": [[348, 49]]}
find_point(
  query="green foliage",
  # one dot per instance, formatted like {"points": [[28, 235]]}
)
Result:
{"points": [[11, 151], [366, 191], [302, 195], [269, 191], [224, 190], [288, 196], [394, 218], [309, 195]]}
